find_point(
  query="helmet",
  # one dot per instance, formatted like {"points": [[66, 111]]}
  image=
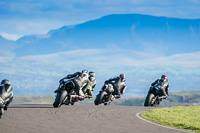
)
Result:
{"points": [[85, 71], [122, 76], [5, 81], [92, 74], [163, 77]]}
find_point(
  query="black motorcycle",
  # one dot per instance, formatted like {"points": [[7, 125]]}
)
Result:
{"points": [[6, 95], [64, 92], [153, 95], [2, 105], [105, 95]]}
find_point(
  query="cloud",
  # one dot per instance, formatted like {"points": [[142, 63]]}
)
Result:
{"points": [[5, 59], [141, 68], [26, 27], [124, 58], [10, 36]]}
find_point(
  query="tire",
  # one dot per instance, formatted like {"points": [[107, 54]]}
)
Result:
{"points": [[1, 111], [146, 101], [99, 97], [67, 103], [149, 99], [59, 98], [72, 103]]}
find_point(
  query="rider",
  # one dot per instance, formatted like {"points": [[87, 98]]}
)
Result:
{"points": [[163, 84], [80, 79], [6, 92], [118, 84], [89, 88]]}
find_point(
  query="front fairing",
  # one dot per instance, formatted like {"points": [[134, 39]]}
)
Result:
{"points": [[156, 90], [63, 84], [59, 88], [108, 88]]}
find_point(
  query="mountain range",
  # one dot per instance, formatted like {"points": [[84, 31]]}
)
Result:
{"points": [[124, 31]]}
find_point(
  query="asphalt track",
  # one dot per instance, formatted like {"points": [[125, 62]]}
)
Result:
{"points": [[77, 119]]}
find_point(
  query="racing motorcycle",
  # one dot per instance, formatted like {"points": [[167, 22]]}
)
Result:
{"points": [[66, 94], [105, 95], [1, 107], [153, 95], [63, 96], [6, 96]]}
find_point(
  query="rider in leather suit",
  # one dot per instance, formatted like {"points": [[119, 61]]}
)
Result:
{"points": [[89, 88], [80, 79], [118, 84], [6, 95], [163, 84]]}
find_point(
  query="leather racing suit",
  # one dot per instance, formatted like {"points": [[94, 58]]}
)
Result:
{"points": [[118, 84], [89, 88], [80, 80], [6, 94], [163, 85]]}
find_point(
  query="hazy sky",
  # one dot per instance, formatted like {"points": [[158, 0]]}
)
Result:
{"points": [[23, 17]]}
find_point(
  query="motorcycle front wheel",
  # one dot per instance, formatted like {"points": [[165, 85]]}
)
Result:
{"points": [[1, 111], [59, 98], [100, 97], [149, 100]]}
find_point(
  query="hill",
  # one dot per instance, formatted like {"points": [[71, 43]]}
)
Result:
{"points": [[187, 98]]}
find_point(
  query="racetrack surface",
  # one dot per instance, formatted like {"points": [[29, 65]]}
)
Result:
{"points": [[76, 119]]}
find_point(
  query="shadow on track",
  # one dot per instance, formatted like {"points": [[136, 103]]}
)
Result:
{"points": [[31, 106]]}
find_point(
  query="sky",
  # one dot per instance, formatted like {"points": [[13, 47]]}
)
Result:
{"points": [[27, 17]]}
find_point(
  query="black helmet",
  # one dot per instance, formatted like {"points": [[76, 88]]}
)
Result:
{"points": [[5, 81]]}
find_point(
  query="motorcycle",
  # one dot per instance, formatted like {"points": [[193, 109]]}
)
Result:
{"points": [[6, 96], [2, 105], [105, 95], [153, 95], [65, 94]]}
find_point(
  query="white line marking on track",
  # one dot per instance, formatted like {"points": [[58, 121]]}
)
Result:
{"points": [[138, 116]]}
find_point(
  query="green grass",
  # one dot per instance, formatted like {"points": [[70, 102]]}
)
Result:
{"points": [[181, 117]]}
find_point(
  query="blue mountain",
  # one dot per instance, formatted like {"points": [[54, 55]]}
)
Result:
{"points": [[6, 47], [124, 31]]}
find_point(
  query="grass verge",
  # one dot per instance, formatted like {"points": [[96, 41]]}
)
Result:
{"points": [[181, 117]]}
